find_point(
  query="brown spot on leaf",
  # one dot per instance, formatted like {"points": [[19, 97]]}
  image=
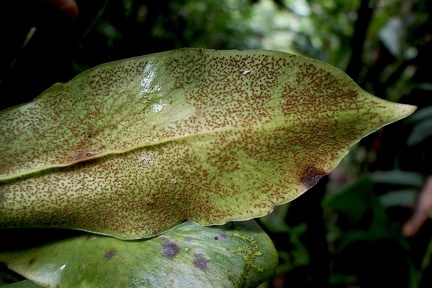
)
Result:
{"points": [[311, 176], [201, 262], [110, 254], [170, 250], [31, 261]]}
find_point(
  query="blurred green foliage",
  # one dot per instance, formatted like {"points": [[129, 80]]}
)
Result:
{"points": [[348, 230]]}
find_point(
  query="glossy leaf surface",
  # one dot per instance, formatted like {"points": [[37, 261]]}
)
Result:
{"points": [[238, 254], [134, 147]]}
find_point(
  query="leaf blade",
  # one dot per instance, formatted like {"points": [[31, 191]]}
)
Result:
{"points": [[209, 142], [234, 255]]}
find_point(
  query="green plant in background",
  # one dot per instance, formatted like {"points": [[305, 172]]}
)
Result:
{"points": [[132, 148]]}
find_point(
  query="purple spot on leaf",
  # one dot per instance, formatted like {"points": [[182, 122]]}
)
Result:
{"points": [[170, 250], [110, 254], [201, 262], [223, 236]]}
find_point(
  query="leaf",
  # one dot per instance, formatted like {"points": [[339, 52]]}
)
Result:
{"points": [[357, 206], [21, 284], [398, 177], [134, 147], [420, 132], [403, 197], [238, 254], [7, 276]]}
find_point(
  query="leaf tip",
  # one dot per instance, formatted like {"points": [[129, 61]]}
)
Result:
{"points": [[406, 109]]}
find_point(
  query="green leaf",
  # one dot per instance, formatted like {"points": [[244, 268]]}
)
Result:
{"points": [[360, 214], [403, 197], [398, 177], [420, 132], [238, 254], [134, 147], [21, 284]]}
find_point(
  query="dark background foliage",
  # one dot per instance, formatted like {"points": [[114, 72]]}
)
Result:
{"points": [[367, 223]]}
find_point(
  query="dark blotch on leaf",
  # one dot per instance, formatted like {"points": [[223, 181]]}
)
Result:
{"points": [[170, 250], [311, 176], [110, 254], [223, 236], [216, 238], [201, 262], [31, 261]]}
